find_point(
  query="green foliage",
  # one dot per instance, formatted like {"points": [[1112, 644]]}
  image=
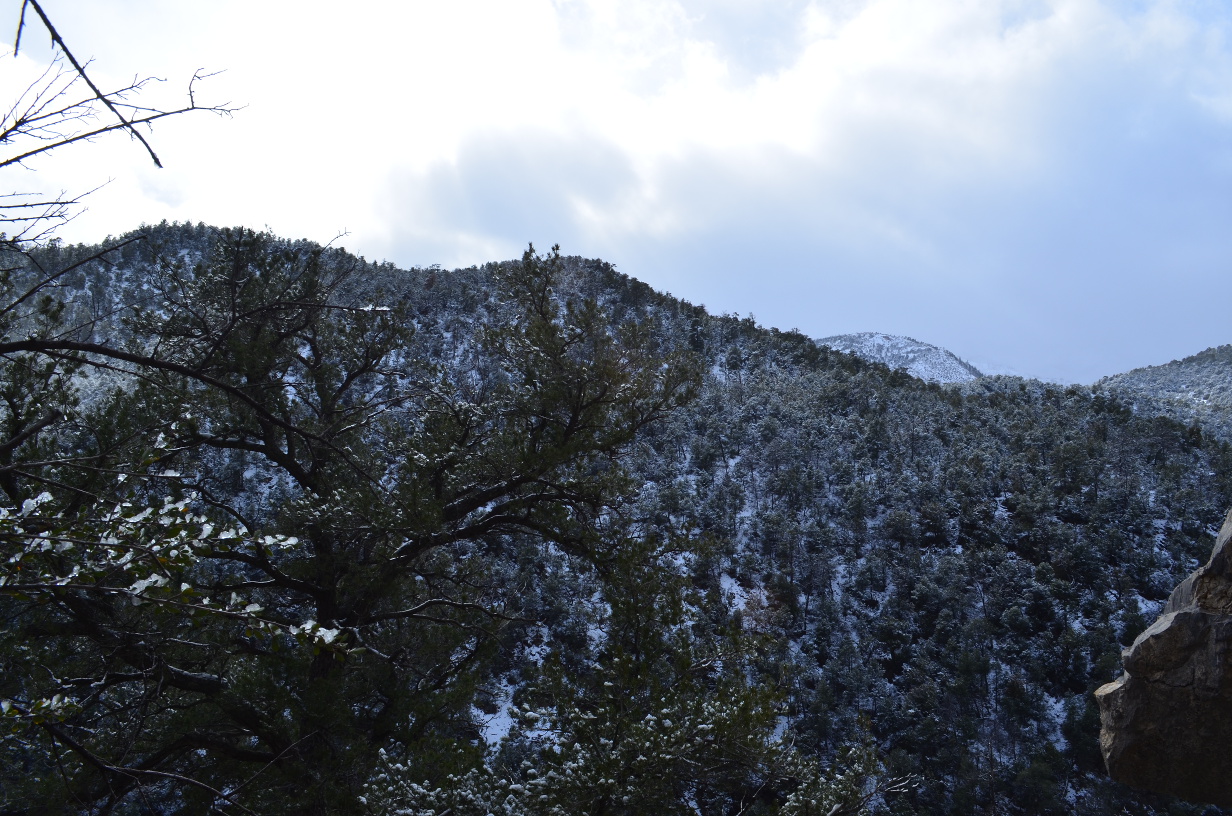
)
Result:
{"points": [[660, 719], [302, 528], [363, 608], [655, 720]]}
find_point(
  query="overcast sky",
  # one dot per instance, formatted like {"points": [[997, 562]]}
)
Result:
{"points": [[1041, 187]]}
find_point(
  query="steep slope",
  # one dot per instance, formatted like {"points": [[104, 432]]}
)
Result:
{"points": [[947, 572], [1194, 389], [923, 360]]}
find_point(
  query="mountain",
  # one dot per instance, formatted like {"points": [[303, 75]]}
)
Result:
{"points": [[923, 360], [1196, 389], [936, 577]]}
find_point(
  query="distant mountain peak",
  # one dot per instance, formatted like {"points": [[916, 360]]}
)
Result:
{"points": [[923, 360]]}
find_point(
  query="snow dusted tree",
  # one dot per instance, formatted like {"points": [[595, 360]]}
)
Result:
{"points": [[166, 642], [657, 716], [254, 540], [292, 633]]}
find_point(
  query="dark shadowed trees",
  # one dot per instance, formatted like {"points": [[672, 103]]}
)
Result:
{"points": [[336, 599]]}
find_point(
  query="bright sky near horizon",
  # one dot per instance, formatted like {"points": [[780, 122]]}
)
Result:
{"points": [[1040, 187]]}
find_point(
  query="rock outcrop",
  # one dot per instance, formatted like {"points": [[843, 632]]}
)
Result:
{"points": [[1167, 721]]}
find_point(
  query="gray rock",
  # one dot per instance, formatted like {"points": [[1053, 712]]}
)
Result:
{"points": [[1167, 721]]}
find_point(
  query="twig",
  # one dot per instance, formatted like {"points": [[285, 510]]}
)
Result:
{"points": [[81, 72]]}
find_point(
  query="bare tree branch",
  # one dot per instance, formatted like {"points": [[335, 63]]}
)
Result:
{"points": [[53, 113], [81, 71], [131, 774]]}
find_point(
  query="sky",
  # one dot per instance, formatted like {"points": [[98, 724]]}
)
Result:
{"points": [[1044, 188]]}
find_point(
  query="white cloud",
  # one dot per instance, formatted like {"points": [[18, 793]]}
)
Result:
{"points": [[916, 161]]}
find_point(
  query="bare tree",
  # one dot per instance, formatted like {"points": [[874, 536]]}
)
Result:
{"points": [[64, 106]]}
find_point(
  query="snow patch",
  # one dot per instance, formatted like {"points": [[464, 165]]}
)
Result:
{"points": [[922, 360]]}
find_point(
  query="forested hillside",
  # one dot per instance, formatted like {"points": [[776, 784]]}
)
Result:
{"points": [[1192, 390], [535, 538]]}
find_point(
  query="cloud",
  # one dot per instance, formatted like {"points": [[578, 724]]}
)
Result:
{"points": [[503, 192], [1026, 182], [1042, 184]]}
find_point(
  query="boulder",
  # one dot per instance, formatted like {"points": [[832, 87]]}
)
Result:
{"points": [[1167, 721]]}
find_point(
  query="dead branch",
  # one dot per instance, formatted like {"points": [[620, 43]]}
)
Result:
{"points": [[54, 112]]}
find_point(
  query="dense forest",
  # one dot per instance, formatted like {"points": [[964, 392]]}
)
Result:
{"points": [[289, 531]]}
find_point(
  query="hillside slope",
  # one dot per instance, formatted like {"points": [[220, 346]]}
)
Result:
{"points": [[944, 573], [1194, 389]]}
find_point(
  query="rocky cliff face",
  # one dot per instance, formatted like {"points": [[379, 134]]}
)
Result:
{"points": [[1167, 721]]}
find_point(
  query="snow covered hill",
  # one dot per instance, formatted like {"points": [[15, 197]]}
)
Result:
{"points": [[1195, 389], [923, 360], [918, 560]]}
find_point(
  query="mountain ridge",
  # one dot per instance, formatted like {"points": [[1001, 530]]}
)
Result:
{"points": [[1195, 389], [919, 359], [943, 572]]}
